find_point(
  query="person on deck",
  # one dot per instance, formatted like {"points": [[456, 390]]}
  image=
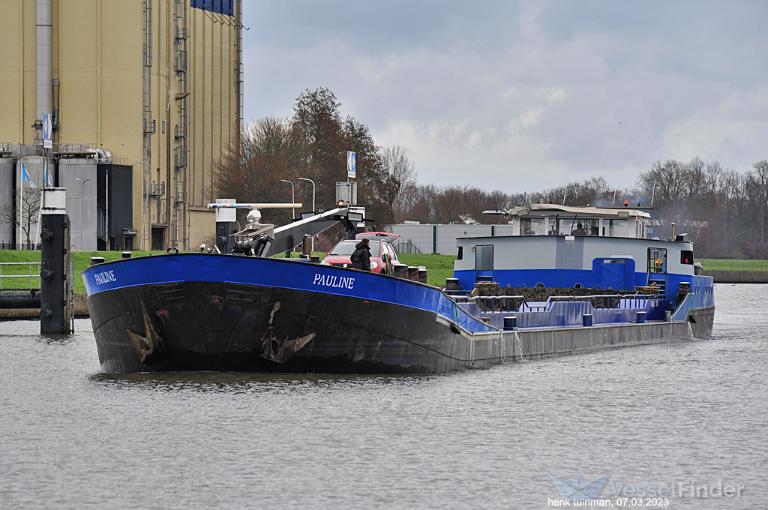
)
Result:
{"points": [[579, 230], [361, 258]]}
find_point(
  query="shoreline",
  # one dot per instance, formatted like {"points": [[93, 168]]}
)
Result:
{"points": [[727, 276]]}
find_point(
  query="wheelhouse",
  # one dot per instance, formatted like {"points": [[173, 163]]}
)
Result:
{"points": [[560, 247]]}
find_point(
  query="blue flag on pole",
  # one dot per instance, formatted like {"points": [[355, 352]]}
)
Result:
{"points": [[25, 176], [47, 181]]}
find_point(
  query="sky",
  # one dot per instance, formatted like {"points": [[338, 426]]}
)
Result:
{"points": [[524, 95]]}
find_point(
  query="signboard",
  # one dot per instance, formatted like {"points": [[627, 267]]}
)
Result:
{"points": [[226, 214], [351, 164], [47, 131]]}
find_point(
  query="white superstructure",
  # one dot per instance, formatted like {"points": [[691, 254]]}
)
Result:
{"points": [[553, 219]]}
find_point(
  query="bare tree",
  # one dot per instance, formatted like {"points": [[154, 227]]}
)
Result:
{"points": [[761, 181], [402, 180], [30, 209], [268, 152]]}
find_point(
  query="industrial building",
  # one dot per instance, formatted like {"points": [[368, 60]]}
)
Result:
{"points": [[130, 105]]}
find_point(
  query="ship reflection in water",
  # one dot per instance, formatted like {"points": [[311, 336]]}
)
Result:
{"points": [[71, 436]]}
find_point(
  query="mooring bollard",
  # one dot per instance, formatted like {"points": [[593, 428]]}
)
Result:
{"points": [[308, 245], [314, 259], [422, 274], [510, 323], [55, 300], [451, 284], [401, 271], [586, 319], [413, 273], [641, 317], [97, 260]]}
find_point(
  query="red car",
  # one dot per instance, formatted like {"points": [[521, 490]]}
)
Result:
{"points": [[341, 254]]}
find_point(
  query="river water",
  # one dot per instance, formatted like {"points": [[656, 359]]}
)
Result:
{"points": [[648, 419]]}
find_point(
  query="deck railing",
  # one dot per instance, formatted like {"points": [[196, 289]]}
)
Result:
{"points": [[503, 304]]}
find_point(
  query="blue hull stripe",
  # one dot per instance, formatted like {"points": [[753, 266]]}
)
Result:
{"points": [[287, 274]]}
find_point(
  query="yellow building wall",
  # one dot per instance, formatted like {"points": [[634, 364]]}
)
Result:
{"points": [[97, 58], [213, 64], [17, 71]]}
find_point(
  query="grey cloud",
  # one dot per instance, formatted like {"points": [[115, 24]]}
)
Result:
{"points": [[523, 94]]}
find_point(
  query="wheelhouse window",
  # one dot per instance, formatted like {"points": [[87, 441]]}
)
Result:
{"points": [[532, 227], [618, 228], [686, 257], [575, 226]]}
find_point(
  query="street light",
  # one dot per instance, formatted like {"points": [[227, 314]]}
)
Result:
{"points": [[82, 190], [293, 198], [313, 190]]}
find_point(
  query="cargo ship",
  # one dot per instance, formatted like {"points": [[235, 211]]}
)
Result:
{"points": [[551, 289]]}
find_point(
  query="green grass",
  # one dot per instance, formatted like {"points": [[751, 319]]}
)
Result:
{"points": [[82, 259], [439, 267], [297, 254], [735, 264]]}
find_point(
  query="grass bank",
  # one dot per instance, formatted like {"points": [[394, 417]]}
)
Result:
{"points": [[439, 267], [82, 259], [735, 264]]}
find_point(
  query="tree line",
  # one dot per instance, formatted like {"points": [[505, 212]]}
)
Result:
{"points": [[312, 144], [723, 211]]}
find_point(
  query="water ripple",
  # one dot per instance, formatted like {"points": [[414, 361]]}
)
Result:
{"points": [[72, 437]]}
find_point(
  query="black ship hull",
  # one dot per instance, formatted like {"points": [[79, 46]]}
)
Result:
{"points": [[219, 326]]}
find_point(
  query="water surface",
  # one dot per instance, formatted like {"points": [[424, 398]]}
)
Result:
{"points": [[71, 437]]}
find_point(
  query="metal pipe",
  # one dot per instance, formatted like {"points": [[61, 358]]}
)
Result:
{"points": [[239, 67], [82, 191], [313, 190], [43, 83], [180, 161], [293, 197], [107, 242], [147, 120], [265, 205]]}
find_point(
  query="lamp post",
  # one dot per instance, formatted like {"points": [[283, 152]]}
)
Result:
{"points": [[82, 190], [293, 198], [313, 190]]}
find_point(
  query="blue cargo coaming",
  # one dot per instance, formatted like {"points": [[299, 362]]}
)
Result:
{"points": [[225, 7], [569, 278], [264, 272]]}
